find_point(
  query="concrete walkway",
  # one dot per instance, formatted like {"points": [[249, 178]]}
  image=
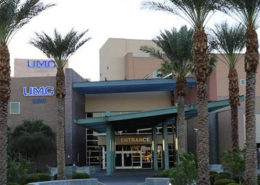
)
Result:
{"points": [[124, 177]]}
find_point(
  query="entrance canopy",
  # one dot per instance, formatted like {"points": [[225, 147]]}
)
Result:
{"points": [[126, 86], [145, 119]]}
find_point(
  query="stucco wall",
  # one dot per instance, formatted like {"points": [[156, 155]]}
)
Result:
{"points": [[112, 56], [29, 110], [127, 101], [222, 77], [138, 67]]}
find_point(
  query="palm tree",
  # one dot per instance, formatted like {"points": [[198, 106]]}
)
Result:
{"points": [[13, 16], [177, 52], [229, 42], [197, 14], [60, 49], [248, 14]]}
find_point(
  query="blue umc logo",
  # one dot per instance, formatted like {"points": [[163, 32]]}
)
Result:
{"points": [[42, 64], [41, 91]]}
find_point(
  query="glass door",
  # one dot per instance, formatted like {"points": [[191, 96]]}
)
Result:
{"points": [[136, 160], [127, 160], [119, 162]]}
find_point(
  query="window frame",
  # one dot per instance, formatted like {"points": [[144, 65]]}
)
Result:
{"points": [[10, 109]]}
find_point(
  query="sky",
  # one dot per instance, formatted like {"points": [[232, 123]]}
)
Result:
{"points": [[104, 19]]}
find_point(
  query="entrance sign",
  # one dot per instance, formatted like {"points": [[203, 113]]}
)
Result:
{"points": [[131, 140], [41, 91], [41, 64]]}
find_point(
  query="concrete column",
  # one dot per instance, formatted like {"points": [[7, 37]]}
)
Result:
{"points": [[154, 148], [109, 154], [165, 146], [113, 143]]}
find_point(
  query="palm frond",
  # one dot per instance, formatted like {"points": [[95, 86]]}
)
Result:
{"points": [[229, 42], [175, 48], [153, 52], [60, 48], [246, 11], [195, 12], [14, 15]]}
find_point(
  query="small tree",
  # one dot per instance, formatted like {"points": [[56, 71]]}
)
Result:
{"points": [[18, 170], [32, 139], [234, 162], [184, 172]]}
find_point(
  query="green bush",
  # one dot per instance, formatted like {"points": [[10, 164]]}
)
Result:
{"points": [[42, 176], [223, 181], [80, 176], [213, 173], [234, 162], [31, 178], [223, 175], [164, 173], [212, 178], [11, 183], [258, 177], [17, 170], [234, 184], [185, 172]]}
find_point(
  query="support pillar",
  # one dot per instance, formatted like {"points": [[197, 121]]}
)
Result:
{"points": [[113, 142], [110, 146], [165, 146], [155, 149]]}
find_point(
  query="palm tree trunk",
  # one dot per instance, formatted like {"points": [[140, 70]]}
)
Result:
{"points": [[234, 102], [4, 98], [60, 94], [181, 125], [3, 143], [200, 52], [181, 93], [251, 63], [251, 159]]}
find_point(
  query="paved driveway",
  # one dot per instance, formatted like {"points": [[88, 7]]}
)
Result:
{"points": [[123, 177]]}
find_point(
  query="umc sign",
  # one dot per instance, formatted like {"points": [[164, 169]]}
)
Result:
{"points": [[41, 64], [41, 91]]}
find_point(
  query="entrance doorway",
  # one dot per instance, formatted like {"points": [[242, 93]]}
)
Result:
{"points": [[133, 157], [128, 160]]}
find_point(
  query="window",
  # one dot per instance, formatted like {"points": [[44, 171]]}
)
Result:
{"points": [[242, 82], [14, 107], [155, 74]]}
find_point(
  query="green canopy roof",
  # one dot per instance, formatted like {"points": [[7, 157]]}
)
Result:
{"points": [[146, 119]]}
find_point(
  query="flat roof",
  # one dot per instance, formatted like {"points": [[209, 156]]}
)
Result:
{"points": [[146, 119], [126, 86]]}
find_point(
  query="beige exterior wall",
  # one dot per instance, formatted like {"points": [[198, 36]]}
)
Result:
{"points": [[21, 69], [222, 77], [125, 102], [113, 53], [29, 110], [140, 67]]}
